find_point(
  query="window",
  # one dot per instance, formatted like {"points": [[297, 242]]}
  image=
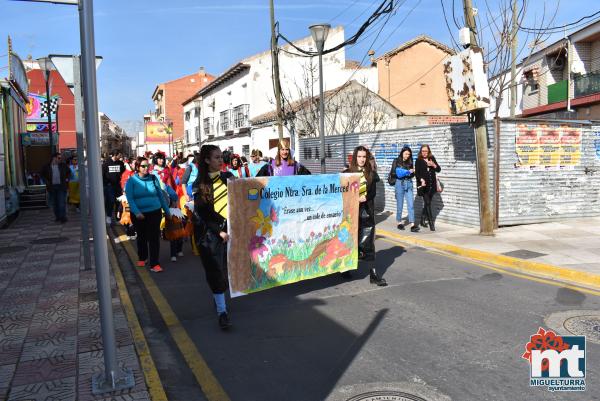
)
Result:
{"points": [[187, 116], [208, 126], [187, 136], [197, 112], [240, 116], [531, 82], [246, 150], [224, 117], [197, 134]]}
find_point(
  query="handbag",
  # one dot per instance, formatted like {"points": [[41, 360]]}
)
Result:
{"points": [[439, 185]]}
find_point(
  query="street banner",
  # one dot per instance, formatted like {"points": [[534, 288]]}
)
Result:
{"points": [[37, 108], [37, 139], [547, 146], [157, 132], [288, 229]]}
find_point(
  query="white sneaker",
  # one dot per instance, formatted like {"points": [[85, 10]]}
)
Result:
{"points": [[173, 259], [180, 254], [108, 220]]}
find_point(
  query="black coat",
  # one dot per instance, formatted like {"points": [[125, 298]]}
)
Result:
{"points": [[205, 213], [423, 171], [207, 226], [366, 220], [65, 175]]}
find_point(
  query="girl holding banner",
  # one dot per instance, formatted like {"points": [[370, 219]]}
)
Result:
{"points": [[366, 211], [210, 232], [283, 164]]}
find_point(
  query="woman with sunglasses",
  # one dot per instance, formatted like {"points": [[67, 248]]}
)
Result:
{"points": [[145, 198]]}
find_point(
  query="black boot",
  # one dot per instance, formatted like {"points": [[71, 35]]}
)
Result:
{"points": [[430, 218], [423, 224], [375, 279]]}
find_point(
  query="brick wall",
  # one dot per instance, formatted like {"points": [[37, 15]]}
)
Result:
{"points": [[443, 120], [176, 92]]}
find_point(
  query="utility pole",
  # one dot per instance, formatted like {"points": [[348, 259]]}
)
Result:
{"points": [[486, 219], [276, 82], [513, 65]]}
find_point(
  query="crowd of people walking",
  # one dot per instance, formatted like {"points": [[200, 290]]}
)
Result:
{"points": [[184, 199]]}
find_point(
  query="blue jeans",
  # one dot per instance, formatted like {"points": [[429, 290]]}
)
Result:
{"points": [[58, 200], [404, 189]]}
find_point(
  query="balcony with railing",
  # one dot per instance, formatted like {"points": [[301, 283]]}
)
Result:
{"points": [[224, 118], [208, 126], [558, 92], [240, 116], [586, 84]]}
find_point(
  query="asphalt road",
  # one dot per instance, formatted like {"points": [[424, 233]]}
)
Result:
{"points": [[443, 329]]}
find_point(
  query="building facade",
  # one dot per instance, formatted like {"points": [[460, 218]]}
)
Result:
{"points": [[13, 110], [224, 109], [168, 98], [411, 77], [113, 137], [560, 81]]}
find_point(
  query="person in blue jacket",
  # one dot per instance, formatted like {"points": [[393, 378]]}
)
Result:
{"points": [[146, 199], [403, 172]]}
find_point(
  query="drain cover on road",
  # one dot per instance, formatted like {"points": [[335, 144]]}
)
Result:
{"points": [[12, 249], [524, 254], [588, 326], [50, 240], [387, 395], [579, 323]]}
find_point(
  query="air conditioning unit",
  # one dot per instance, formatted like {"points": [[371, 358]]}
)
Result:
{"points": [[557, 63]]}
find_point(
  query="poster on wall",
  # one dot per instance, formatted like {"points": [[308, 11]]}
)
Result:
{"points": [[547, 146], [288, 229], [157, 132], [37, 108]]}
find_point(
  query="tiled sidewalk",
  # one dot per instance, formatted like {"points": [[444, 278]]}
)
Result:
{"points": [[50, 341], [572, 244]]}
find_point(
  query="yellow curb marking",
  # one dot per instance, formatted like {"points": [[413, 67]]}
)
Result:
{"points": [[508, 272], [529, 267], [208, 382], [155, 387]]}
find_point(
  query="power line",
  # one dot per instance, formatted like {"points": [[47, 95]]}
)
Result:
{"points": [[456, 45], [399, 25], [344, 10], [559, 28], [386, 7]]}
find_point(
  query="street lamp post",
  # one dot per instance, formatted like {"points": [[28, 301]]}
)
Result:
{"points": [[46, 65], [319, 34], [114, 377]]}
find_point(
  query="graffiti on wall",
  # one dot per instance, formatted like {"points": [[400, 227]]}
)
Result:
{"points": [[596, 137], [547, 146]]}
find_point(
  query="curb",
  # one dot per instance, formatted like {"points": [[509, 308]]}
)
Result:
{"points": [[209, 385], [544, 270], [155, 387]]}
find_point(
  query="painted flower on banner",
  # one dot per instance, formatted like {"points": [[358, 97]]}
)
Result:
{"points": [[273, 215], [343, 235], [263, 223], [257, 247]]}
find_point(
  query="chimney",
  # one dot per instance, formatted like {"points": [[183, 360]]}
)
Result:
{"points": [[201, 71]]}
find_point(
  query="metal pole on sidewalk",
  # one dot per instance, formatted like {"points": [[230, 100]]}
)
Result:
{"points": [[83, 194], [112, 378]]}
